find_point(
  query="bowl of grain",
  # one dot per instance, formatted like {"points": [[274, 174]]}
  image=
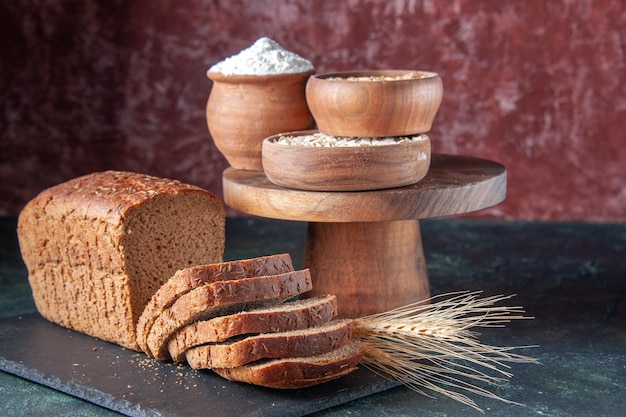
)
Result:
{"points": [[374, 103], [314, 161]]}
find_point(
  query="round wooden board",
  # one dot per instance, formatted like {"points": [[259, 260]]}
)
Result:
{"points": [[453, 185], [365, 246]]}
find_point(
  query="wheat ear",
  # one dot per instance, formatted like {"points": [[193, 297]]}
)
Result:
{"points": [[430, 345]]}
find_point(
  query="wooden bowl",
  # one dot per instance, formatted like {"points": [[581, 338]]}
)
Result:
{"points": [[242, 110], [376, 103], [345, 168]]}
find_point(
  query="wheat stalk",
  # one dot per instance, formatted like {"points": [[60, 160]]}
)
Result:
{"points": [[431, 345]]}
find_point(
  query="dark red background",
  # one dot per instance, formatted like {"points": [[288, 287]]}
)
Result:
{"points": [[537, 85]]}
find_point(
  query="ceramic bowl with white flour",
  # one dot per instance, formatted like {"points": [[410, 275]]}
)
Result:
{"points": [[256, 93]]}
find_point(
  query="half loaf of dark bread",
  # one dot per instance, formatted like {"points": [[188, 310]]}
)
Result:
{"points": [[98, 247]]}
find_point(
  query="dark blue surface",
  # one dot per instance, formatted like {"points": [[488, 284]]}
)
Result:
{"points": [[570, 276]]}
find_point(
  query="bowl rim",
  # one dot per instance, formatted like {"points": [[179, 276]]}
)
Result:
{"points": [[251, 78], [340, 76], [334, 149]]}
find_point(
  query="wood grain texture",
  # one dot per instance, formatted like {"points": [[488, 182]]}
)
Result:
{"points": [[343, 107], [371, 267], [453, 185], [346, 168]]}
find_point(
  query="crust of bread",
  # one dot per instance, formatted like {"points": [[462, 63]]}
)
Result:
{"points": [[187, 279], [290, 373], [95, 247], [296, 343], [294, 315], [223, 298]]}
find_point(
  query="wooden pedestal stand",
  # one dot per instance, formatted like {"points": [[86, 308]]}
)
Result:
{"points": [[365, 247]]}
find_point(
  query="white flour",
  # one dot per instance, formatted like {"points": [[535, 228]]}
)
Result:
{"points": [[264, 57]]}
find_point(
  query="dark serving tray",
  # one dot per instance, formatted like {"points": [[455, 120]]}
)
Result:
{"points": [[137, 385]]}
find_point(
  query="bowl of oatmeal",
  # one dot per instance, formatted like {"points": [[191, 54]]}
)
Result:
{"points": [[376, 103], [314, 161]]}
